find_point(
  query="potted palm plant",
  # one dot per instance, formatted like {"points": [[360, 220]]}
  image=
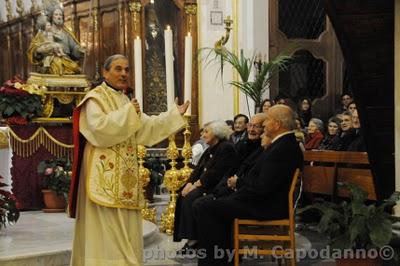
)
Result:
{"points": [[56, 180], [355, 225], [264, 70]]}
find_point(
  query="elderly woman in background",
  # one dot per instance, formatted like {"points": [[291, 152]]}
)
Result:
{"points": [[332, 137], [314, 136], [215, 161]]}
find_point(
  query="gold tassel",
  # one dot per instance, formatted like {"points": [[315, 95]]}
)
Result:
{"points": [[31, 147]]}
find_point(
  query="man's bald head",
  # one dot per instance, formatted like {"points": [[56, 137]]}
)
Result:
{"points": [[284, 115], [280, 119]]}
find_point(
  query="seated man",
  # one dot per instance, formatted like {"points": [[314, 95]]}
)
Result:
{"points": [[264, 194], [239, 128], [358, 143], [350, 138], [248, 150]]}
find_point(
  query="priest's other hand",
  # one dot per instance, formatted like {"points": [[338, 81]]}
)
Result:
{"points": [[182, 108], [135, 104], [232, 181]]}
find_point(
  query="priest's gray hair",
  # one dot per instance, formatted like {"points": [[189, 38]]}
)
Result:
{"points": [[220, 129], [112, 58]]}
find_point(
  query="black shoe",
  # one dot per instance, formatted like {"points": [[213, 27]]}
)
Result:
{"points": [[188, 250]]}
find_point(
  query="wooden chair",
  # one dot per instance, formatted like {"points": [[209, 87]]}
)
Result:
{"points": [[254, 232]]}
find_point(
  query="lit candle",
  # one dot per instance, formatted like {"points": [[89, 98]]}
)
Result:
{"points": [[188, 71], [169, 66], [137, 45]]}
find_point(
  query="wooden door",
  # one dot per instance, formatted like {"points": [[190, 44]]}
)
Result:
{"points": [[317, 71]]}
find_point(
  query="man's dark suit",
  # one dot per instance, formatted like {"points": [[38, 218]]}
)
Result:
{"points": [[264, 195]]}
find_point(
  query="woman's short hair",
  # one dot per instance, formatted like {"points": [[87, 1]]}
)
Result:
{"points": [[318, 123], [219, 128], [335, 120]]}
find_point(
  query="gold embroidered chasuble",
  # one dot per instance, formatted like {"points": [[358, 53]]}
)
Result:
{"points": [[113, 130]]}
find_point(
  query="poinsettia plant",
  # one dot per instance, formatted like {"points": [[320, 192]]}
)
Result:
{"points": [[20, 102], [56, 175], [9, 212]]}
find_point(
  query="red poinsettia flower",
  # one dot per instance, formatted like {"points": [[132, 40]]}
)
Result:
{"points": [[9, 213], [16, 120]]}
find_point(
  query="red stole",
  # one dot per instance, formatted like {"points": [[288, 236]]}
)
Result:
{"points": [[79, 145]]}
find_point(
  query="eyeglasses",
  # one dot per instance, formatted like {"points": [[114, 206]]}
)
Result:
{"points": [[256, 126]]}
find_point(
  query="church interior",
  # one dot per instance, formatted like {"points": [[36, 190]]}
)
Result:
{"points": [[332, 63]]}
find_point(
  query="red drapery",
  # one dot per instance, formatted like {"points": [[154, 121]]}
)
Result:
{"points": [[26, 183]]}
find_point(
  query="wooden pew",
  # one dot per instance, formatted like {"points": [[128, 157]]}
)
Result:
{"points": [[324, 169]]}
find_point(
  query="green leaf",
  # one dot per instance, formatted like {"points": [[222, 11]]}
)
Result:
{"points": [[9, 110], [380, 230], [244, 67], [342, 241], [358, 231]]}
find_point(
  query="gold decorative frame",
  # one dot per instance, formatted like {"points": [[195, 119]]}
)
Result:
{"points": [[190, 10]]}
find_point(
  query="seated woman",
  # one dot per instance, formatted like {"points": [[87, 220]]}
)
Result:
{"points": [[314, 134], [215, 161], [332, 137]]}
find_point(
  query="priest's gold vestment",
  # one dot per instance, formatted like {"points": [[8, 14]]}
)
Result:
{"points": [[108, 228]]}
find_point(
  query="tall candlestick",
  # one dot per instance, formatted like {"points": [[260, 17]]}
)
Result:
{"points": [[188, 71], [137, 44], [169, 66]]}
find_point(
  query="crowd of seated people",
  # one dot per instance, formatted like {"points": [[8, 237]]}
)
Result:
{"points": [[247, 178], [342, 132], [251, 164], [217, 167]]}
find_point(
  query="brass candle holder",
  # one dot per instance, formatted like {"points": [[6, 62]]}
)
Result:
{"points": [[172, 183], [148, 214], [186, 171], [174, 178]]}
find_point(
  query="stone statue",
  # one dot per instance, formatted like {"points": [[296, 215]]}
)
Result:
{"points": [[54, 48]]}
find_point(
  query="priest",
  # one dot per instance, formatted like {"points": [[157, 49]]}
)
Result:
{"points": [[106, 198]]}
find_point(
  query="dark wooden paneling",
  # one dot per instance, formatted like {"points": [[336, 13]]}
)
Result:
{"points": [[365, 30]]}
